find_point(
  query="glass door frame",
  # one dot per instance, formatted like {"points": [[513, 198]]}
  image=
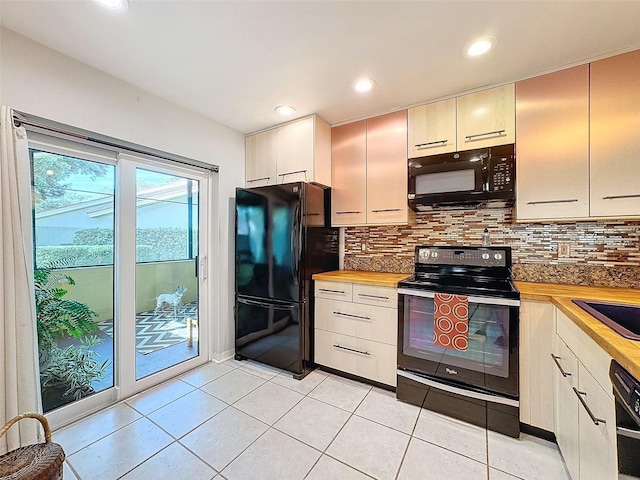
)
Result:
{"points": [[125, 274], [125, 385]]}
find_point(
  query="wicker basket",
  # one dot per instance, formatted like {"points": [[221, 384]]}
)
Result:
{"points": [[42, 461]]}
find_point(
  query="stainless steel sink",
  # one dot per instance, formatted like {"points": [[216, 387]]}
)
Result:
{"points": [[623, 319]]}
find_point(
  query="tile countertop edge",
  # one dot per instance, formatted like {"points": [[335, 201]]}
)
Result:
{"points": [[625, 352], [362, 277]]}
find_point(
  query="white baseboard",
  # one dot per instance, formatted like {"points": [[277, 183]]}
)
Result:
{"points": [[221, 357]]}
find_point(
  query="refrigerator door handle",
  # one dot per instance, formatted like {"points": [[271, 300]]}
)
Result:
{"points": [[295, 243], [257, 303]]}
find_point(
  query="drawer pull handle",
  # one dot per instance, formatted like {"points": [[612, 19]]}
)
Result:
{"points": [[341, 292], [476, 135], [258, 179], [541, 202], [373, 296], [614, 197], [351, 349], [594, 419], [437, 143], [351, 316], [555, 359], [386, 210], [343, 213]]}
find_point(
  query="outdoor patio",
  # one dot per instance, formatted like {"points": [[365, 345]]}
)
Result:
{"points": [[161, 341]]}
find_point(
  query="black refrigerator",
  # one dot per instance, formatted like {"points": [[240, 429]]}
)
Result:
{"points": [[283, 237]]}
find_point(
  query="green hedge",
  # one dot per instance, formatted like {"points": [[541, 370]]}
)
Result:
{"points": [[94, 246], [83, 255]]}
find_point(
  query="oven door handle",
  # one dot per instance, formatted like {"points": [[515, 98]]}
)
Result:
{"points": [[486, 300]]}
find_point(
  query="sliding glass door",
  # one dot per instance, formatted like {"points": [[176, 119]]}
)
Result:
{"points": [[120, 267]]}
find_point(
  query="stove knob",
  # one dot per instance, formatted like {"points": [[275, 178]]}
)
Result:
{"points": [[424, 253], [434, 254], [485, 256], [498, 256]]}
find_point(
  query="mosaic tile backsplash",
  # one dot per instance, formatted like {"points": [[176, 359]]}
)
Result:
{"points": [[603, 254]]}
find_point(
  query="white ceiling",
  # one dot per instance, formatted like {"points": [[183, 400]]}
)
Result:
{"points": [[235, 61]]}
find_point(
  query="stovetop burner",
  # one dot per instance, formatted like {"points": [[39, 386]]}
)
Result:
{"points": [[480, 271]]}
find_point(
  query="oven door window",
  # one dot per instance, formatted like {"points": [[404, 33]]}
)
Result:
{"points": [[488, 350]]}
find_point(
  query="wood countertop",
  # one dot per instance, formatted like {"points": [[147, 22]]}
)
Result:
{"points": [[626, 352], [365, 278]]}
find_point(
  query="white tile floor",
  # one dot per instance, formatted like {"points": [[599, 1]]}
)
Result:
{"points": [[243, 420]]}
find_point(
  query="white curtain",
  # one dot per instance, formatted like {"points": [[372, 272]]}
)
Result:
{"points": [[19, 376]]}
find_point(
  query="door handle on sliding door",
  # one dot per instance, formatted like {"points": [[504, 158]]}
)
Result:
{"points": [[202, 269]]}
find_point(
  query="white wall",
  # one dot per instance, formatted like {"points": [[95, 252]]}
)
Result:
{"points": [[37, 80]]}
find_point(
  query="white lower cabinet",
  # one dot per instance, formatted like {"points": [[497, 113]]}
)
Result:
{"points": [[584, 405], [537, 329], [597, 427], [357, 334], [365, 358], [566, 407]]}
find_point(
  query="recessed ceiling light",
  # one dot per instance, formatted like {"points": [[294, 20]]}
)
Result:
{"points": [[364, 85], [479, 47], [120, 5], [285, 110]]}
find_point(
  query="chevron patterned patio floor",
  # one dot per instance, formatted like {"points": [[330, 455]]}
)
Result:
{"points": [[155, 331]]}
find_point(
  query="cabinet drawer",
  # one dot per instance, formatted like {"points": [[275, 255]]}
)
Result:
{"points": [[379, 324], [373, 360], [333, 290], [566, 363], [598, 456], [568, 331], [375, 295], [596, 361]]}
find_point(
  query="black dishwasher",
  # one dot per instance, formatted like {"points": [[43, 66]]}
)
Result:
{"points": [[626, 390]]}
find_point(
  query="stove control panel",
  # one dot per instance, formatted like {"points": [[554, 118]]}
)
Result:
{"points": [[482, 257]]}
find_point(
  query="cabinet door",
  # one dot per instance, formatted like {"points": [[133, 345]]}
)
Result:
{"points": [[552, 151], [536, 364], [349, 174], [260, 159], [615, 143], [598, 455], [566, 407], [486, 118], [295, 151], [387, 169], [432, 128]]}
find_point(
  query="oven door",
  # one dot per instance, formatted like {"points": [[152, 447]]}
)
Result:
{"points": [[490, 363]]}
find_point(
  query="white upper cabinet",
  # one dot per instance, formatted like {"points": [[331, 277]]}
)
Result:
{"points": [[349, 183], [432, 128], [295, 151], [260, 159], [552, 150], [615, 138], [369, 161], [387, 169], [299, 151], [486, 118]]}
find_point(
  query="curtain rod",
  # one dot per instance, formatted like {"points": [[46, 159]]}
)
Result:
{"points": [[18, 121]]}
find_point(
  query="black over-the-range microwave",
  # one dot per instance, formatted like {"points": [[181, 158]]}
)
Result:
{"points": [[470, 177]]}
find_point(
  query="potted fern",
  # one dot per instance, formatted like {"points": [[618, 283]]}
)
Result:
{"points": [[66, 374]]}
